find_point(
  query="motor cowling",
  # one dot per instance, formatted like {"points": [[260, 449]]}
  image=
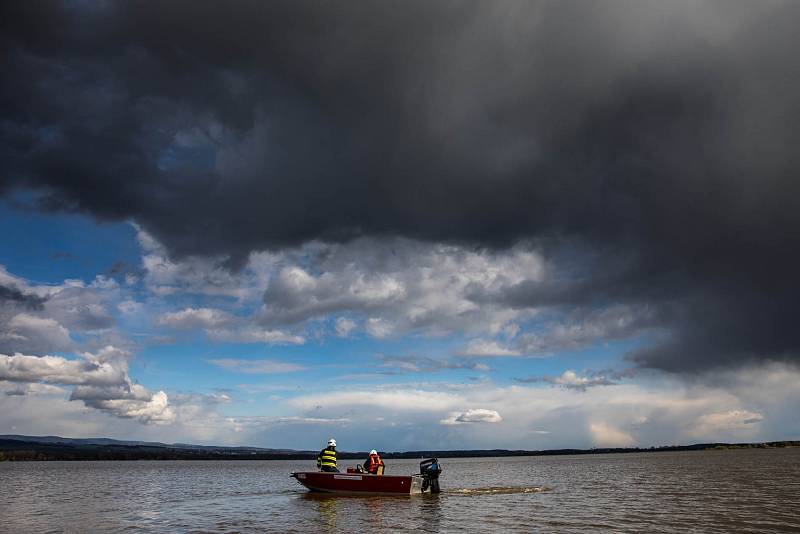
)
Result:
{"points": [[430, 471]]}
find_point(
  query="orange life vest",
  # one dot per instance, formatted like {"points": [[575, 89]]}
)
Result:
{"points": [[374, 462]]}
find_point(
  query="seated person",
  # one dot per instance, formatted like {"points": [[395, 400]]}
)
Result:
{"points": [[374, 465]]}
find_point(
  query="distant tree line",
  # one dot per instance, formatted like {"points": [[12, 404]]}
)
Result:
{"points": [[15, 450]]}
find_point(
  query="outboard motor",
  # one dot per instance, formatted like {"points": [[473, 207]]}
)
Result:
{"points": [[430, 470]]}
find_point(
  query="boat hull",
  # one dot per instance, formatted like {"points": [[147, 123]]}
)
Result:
{"points": [[359, 483]]}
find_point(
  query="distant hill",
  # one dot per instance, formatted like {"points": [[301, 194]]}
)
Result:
{"points": [[78, 441], [121, 443], [15, 447]]}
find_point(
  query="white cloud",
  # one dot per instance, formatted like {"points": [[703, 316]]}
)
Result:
{"points": [[304, 420], [475, 415], [581, 329], [391, 286], [294, 294], [511, 330], [727, 421], [9, 280], [575, 331], [256, 366], [200, 275], [254, 334], [58, 370], [103, 282], [201, 398], [220, 325], [486, 348], [196, 318], [344, 326], [409, 284], [655, 411], [155, 410], [100, 380], [33, 389], [418, 364], [569, 379], [44, 318], [604, 435], [400, 400], [420, 287], [82, 308], [32, 333], [643, 411], [379, 328], [129, 307]]}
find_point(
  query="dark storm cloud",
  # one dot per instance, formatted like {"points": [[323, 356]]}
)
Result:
{"points": [[662, 134], [14, 297]]}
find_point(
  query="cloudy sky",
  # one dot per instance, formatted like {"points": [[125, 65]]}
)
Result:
{"points": [[407, 225]]}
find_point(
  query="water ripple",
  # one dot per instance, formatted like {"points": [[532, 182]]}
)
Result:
{"points": [[713, 491]]}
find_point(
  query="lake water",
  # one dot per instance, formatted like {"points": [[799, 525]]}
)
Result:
{"points": [[711, 491]]}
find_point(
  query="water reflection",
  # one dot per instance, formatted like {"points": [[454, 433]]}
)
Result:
{"points": [[713, 491], [430, 511], [327, 509], [345, 512]]}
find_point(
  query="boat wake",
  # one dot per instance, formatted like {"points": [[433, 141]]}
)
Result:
{"points": [[497, 490]]}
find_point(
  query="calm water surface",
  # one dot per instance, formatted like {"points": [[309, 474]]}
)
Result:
{"points": [[713, 491]]}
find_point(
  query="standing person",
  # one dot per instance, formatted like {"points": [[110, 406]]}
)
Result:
{"points": [[374, 465], [326, 459]]}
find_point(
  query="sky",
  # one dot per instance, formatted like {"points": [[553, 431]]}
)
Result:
{"points": [[405, 225]]}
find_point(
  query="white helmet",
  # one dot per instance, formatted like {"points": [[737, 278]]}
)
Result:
{"points": [[373, 451], [331, 442]]}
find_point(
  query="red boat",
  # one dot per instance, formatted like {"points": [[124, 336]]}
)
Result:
{"points": [[367, 484]]}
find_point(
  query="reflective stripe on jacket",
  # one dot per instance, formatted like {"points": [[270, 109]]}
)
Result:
{"points": [[327, 457]]}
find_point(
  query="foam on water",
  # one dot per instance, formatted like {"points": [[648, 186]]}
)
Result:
{"points": [[497, 490]]}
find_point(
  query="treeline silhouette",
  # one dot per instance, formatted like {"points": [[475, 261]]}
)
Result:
{"points": [[21, 450]]}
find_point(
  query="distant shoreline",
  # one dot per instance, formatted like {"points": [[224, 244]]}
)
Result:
{"points": [[53, 448]]}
